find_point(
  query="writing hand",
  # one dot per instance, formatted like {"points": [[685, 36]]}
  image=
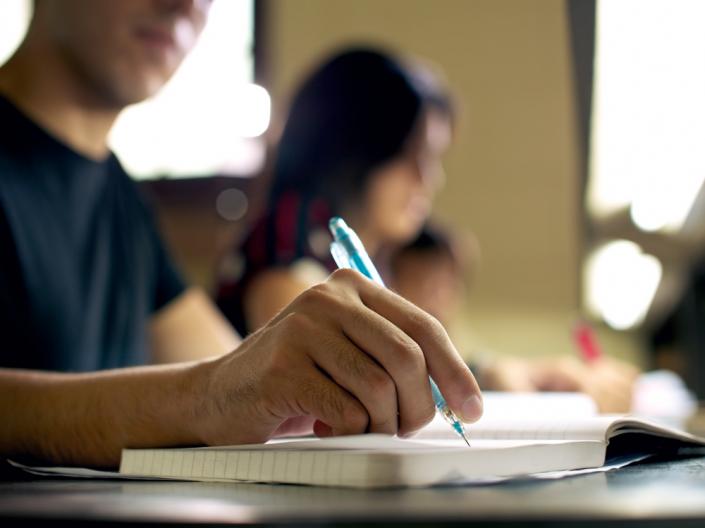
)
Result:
{"points": [[347, 356]]}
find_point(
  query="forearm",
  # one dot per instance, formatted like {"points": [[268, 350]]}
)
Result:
{"points": [[86, 419], [271, 291], [190, 328]]}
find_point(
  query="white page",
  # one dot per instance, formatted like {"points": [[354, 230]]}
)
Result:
{"points": [[541, 405], [526, 428]]}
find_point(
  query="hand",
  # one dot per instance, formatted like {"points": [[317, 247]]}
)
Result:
{"points": [[345, 357], [608, 381]]}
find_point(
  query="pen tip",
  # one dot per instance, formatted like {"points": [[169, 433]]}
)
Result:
{"points": [[461, 432]]}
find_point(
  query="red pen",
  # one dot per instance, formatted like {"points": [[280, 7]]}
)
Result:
{"points": [[586, 341]]}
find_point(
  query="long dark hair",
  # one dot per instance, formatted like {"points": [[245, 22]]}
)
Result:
{"points": [[353, 114]]}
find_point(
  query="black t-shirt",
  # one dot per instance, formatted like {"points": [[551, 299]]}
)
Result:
{"points": [[81, 264]]}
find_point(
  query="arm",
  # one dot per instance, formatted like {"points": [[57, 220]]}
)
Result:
{"points": [[85, 419], [273, 289], [190, 327], [346, 357]]}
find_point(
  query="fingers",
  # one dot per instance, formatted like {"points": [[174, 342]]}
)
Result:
{"points": [[336, 411], [443, 362], [608, 382], [370, 355], [401, 359], [361, 376], [613, 383]]}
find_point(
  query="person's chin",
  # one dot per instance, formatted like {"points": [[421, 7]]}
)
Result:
{"points": [[140, 87], [409, 230], [416, 216], [153, 83], [417, 220]]}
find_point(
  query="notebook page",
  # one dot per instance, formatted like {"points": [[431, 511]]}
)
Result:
{"points": [[546, 405], [596, 428], [561, 428], [530, 416]]}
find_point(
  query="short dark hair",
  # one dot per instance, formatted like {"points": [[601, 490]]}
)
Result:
{"points": [[354, 113], [432, 239]]}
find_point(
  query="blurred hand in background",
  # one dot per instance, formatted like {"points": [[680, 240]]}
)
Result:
{"points": [[610, 382]]}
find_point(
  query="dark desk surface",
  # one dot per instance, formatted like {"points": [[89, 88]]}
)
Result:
{"points": [[661, 493]]}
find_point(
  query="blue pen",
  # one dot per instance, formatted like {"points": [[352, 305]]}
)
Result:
{"points": [[348, 252]]}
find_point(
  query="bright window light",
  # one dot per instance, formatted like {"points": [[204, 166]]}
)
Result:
{"points": [[14, 18], [648, 111], [207, 120], [620, 283]]}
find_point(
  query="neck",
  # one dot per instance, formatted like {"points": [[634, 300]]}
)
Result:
{"points": [[43, 86]]}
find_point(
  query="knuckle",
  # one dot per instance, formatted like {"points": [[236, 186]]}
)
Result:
{"points": [[296, 323], [381, 387], [320, 297], [409, 352], [435, 327], [424, 323], [345, 275], [342, 274], [320, 288], [313, 295]]}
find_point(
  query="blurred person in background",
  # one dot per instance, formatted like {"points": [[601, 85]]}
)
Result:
{"points": [[364, 140], [87, 288], [435, 271]]}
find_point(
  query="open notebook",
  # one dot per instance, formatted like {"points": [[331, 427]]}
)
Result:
{"points": [[500, 448]]}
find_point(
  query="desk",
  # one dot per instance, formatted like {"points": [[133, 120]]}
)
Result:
{"points": [[665, 493]]}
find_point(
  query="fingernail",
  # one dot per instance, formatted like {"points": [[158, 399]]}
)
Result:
{"points": [[471, 411]]}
